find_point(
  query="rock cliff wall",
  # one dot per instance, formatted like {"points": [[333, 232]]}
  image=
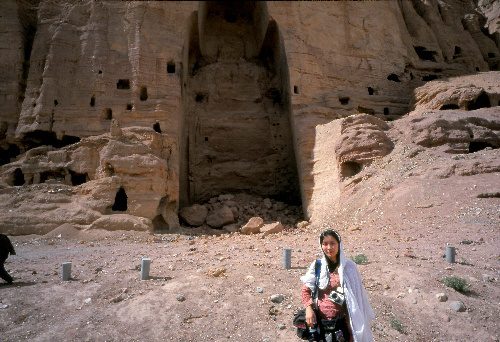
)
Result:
{"points": [[227, 96]]}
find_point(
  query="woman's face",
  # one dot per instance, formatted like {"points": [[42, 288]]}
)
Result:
{"points": [[330, 247]]}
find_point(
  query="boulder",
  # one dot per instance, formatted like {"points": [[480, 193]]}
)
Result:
{"points": [[122, 222], [253, 226], [194, 215], [220, 217], [271, 228]]}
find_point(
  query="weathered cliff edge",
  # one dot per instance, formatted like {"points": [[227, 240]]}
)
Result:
{"points": [[139, 108]]}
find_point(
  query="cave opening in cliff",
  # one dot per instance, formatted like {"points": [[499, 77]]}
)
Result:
{"points": [[482, 101], [107, 114], [123, 84], [18, 177], [52, 176], [156, 127], [78, 178], [6, 155], [449, 106], [120, 203], [349, 169], [171, 67], [143, 94], [39, 138], [425, 54], [475, 146], [237, 133]]}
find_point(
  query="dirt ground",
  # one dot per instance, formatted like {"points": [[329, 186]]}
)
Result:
{"points": [[207, 287]]}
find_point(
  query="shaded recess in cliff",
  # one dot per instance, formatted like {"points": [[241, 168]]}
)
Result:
{"points": [[236, 128], [28, 19]]}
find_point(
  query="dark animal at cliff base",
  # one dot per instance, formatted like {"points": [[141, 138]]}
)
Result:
{"points": [[6, 248]]}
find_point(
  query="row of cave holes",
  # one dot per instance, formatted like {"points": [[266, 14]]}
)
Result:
{"points": [[120, 203], [76, 178]]}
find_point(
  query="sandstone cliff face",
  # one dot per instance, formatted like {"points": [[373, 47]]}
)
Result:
{"points": [[226, 97]]}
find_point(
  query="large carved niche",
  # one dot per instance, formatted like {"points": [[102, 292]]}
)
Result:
{"points": [[236, 128]]}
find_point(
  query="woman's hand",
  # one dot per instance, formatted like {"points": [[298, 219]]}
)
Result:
{"points": [[310, 316]]}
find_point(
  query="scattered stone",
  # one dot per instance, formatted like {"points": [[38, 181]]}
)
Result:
{"points": [[220, 217], [487, 277], [458, 306], [194, 215], [353, 228], [281, 326], [441, 297], [5, 306], [216, 272], [260, 290], [414, 301], [118, 298], [88, 301], [98, 269], [253, 226], [180, 298], [271, 228], [277, 298], [302, 224], [400, 295]]}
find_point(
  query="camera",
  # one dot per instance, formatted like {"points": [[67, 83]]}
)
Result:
{"points": [[337, 296]]}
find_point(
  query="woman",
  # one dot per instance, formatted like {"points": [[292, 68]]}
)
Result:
{"points": [[339, 313]]}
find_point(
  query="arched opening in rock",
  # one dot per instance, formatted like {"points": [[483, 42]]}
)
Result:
{"points": [[427, 78], [7, 154], [156, 127], [449, 106], [123, 84], [349, 169], [171, 67], [393, 77], [424, 54], [129, 106], [52, 176], [78, 178], [143, 95], [39, 138], [92, 101], [56, 103], [482, 101], [386, 110], [107, 114], [120, 201], [237, 135], [344, 100], [371, 91], [18, 177], [475, 146], [295, 89]]}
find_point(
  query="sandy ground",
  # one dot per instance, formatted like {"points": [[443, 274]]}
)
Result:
{"points": [[206, 287]]}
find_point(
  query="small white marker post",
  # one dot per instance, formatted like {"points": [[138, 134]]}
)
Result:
{"points": [[450, 254], [146, 262], [287, 258], [66, 271]]}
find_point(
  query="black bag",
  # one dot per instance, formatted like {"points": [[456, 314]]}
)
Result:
{"points": [[337, 327], [299, 321]]}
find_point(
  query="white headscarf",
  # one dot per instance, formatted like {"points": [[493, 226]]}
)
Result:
{"points": [[358, 305]]}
